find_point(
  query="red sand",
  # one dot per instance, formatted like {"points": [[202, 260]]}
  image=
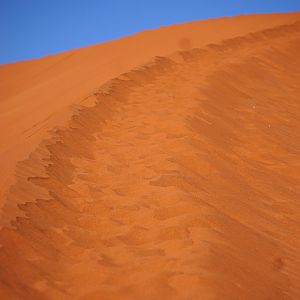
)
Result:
{"points": [[176, 180]]}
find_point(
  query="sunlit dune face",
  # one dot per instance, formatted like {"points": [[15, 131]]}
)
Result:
{"points": [[184, 44]]}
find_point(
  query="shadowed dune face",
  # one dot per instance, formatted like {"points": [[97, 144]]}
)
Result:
{"points": [[181, 182]]}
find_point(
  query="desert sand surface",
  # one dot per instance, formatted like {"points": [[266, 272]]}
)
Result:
{"points": [[164, 165]]}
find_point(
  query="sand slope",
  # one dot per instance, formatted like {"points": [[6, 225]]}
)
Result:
{"points": [[36, 95], [181, 182]]}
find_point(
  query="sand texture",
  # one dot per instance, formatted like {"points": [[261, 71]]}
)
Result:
{"points": [[172, 177]]}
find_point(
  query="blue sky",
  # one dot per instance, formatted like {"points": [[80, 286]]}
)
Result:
{"points": [[34, 28]]}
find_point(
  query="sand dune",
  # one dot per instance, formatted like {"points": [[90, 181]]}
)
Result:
{"points": [[36, 95], [178, 179]]}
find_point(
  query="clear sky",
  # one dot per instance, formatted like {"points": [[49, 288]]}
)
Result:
{"points": [[34, 28]]}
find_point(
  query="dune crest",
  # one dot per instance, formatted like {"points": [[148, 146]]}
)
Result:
{"points": [[180, 182]]}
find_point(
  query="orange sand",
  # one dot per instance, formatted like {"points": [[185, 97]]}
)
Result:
{"points": [[176, 180]]}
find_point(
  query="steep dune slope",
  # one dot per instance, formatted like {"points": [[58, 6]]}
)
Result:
{"points": [[181, 182], [35, 95]]}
